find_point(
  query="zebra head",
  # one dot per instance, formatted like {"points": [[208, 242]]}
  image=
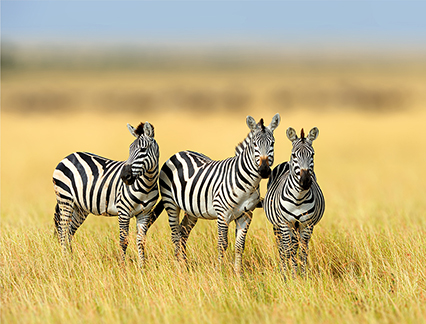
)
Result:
{"points": [[302, 156], [262, 142], [143, 153]]}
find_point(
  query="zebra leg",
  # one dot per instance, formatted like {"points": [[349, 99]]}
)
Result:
{"points": [[222, 241], [142, 225], [66, 210], [155, 212], [57, 222], [78, 217], [173, 212], [305, 236], [294, 246], [123, 222], [242, 226], [280, 245], [187, 224], [283, 237]]}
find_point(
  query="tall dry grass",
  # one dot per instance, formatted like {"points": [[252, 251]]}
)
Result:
{"points": [[367, 259]]}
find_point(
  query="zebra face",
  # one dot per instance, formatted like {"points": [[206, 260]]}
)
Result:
{"points": [[302, 156], [263, 143], [143, 153]]}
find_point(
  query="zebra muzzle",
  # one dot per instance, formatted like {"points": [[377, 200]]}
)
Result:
{"points": [[127, 175], [305, 179], [264, 169]]}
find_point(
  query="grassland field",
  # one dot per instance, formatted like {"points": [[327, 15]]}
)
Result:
{"points": [[367, 262]]}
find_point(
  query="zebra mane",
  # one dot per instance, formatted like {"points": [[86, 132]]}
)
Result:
{"points": [[302, 135], [243, 144], [260, 123], [139, 130]]}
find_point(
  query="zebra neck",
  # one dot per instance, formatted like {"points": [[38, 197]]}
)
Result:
{"points": [[295, 190], [246, 165], [147, 180]]}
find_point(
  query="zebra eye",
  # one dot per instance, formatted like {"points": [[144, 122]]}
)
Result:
{"points": [[293, 155]]}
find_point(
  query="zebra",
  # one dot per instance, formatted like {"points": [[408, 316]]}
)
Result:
{"points": [[87, 183], [294, 202], [226, 190]]}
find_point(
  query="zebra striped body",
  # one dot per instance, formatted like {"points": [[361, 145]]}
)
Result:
{"points": [[87, 183], [226, 190], [294, 202]]}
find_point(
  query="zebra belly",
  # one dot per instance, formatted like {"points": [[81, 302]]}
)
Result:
{"points": [[206, 211], [247, 202], [136, 209], [210, 214]]}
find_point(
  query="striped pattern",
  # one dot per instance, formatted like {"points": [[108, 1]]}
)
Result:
{"points": [[226, 190], [294, 202], [87, 183]]}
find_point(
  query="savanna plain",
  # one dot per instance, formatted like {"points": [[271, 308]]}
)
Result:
{"points": [[367, 261]]}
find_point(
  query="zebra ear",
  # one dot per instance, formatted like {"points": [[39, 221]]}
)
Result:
{"points": [[291, 134], [251, 123], [132, 130], [275, 122], [148, 129], [313, 134]]}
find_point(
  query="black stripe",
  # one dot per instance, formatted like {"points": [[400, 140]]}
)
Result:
{"points": [[95, 173], [179, 167], [81, 170], [192, 189], [188, 164], [62, 185], [114, 179], [68, 173], [109, 170]]}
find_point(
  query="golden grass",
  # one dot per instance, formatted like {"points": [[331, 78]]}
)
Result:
{"points": [[367, 260]]}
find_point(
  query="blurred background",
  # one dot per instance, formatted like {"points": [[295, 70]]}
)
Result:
{"points": [[74, 73], [208, 57]]}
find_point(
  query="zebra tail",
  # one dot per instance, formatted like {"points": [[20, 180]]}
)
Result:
{"points": [[57, 220], [157, 211], [159, 208]]}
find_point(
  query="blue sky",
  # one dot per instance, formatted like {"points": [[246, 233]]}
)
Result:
{"points": [[371, 22]]}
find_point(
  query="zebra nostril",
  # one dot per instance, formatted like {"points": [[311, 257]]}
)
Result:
{"points": [[305, 179], [126, 174], [265, 172], [264, 169]]}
